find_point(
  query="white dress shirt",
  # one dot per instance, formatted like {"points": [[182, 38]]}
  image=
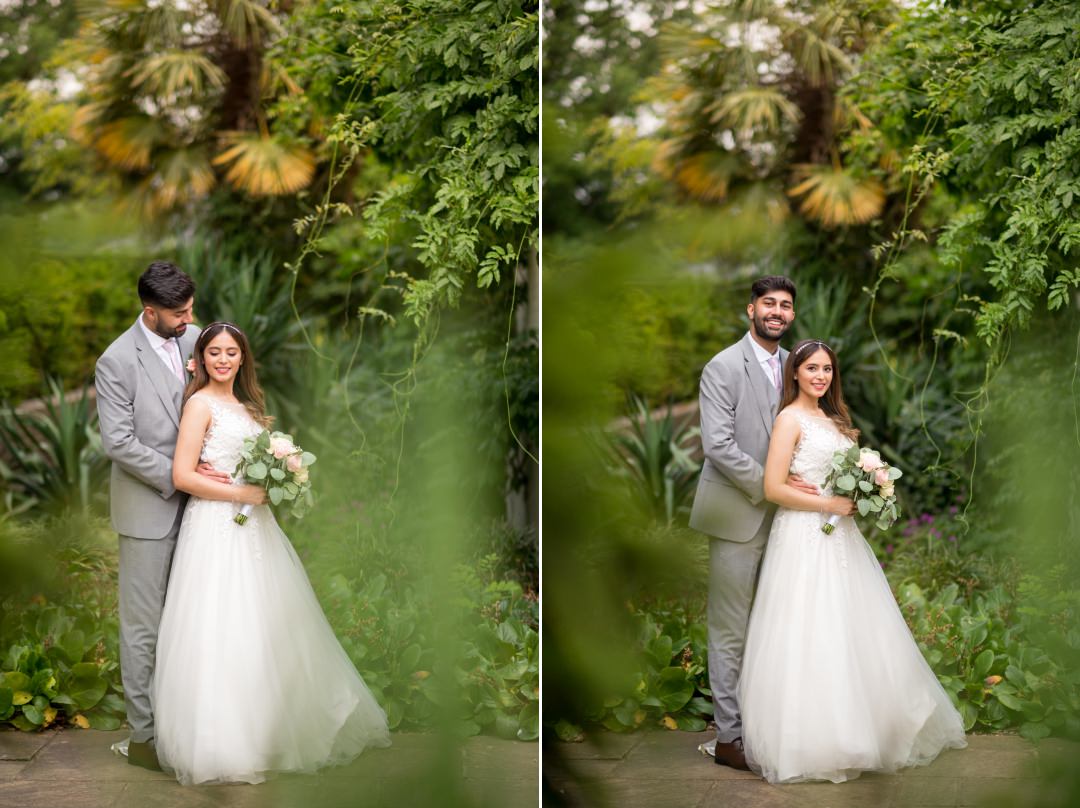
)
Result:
{"points": [[157, 342], [763, 358]]}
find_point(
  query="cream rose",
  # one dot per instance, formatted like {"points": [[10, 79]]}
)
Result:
{"points": [[294, 463], [869, 460], [280, 447], [301, 476]]}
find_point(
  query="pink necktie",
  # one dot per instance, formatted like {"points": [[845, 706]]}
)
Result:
{"points": [[174, 356], [774, 363]]}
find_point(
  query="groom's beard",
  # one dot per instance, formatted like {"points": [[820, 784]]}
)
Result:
{"points": [[763, 331], [170, 333]]}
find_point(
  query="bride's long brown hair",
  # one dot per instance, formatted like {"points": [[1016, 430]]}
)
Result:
{"points": [[832, 403], [246, 387]]}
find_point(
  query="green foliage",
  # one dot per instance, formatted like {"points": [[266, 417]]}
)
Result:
{"points": [[52, 459], [983, 96], [655, 456], [67, 289], [30, 33], [447, 93], [388, 634], [38, 156], [58, 631], [1005, 666], [669, 686]]}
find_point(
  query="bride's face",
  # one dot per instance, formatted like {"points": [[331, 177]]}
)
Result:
{"points": [[222, 357], [815, 374]]}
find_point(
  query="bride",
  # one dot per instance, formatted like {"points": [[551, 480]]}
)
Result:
{"points": [[832, 682], [249, 678]]}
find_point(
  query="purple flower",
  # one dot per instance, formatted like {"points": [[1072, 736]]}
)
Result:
{"points": [[952, 538], [889, 548], [927, 518], [935, 533], [954, 510]]}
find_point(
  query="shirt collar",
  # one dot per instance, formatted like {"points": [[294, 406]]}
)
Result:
{"points": [[762, 355], [156, 340]]}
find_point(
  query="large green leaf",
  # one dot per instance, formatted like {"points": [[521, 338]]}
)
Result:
{"points": [[674, 689], [529, 722], [87, 686]]}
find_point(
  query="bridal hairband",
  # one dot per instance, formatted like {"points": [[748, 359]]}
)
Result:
{"points": [[807, 345], [226, 325]]}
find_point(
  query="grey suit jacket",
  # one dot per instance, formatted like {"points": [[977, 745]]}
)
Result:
{"points": [[138, 402], [738, 406]]}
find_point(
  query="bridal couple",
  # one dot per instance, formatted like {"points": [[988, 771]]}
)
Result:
{"points": [[815, 676], [229, 666]]}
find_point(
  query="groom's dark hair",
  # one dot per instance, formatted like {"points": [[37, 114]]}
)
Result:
{"points": [[772, 283], [165, 284]]}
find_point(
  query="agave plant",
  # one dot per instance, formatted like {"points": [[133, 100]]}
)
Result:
{"points": [[655, 455], [52, 460]]}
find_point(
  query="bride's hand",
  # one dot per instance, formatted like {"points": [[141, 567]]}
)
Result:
{"points": [[251, 494], [841, 506]]}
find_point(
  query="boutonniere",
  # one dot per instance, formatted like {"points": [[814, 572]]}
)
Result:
{"points": [[191, 365]]}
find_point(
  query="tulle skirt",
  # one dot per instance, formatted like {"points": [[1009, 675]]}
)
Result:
{"points": [[249, 677], [832, 683]]}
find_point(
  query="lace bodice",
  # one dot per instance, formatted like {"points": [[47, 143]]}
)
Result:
{"points": [[820, 440], [224, 441]]}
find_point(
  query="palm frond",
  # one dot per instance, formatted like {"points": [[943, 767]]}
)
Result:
{"points": [[835, 197], [265, 165], [180, 176], [128, 142], [247, 21], [818, 58], [165, 74], [708, 175], [756, 108]]}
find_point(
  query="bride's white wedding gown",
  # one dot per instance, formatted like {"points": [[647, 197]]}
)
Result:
{"points": [[249, 677], [832, 682]]}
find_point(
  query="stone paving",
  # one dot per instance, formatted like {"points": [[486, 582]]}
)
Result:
{"points": [[662, 769], [74, 769]]}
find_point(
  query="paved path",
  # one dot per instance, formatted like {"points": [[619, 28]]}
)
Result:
{"points": [[662, 769], [74, 769]]}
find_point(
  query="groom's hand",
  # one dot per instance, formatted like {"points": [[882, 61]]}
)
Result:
{"points": [[796, 481], [207, 470]]}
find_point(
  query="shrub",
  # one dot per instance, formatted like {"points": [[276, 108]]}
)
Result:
{"points": [[59, 645], [54, 458]]}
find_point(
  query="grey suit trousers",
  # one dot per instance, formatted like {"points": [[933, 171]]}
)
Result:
{"points": [[733, 572], [144, 576]]}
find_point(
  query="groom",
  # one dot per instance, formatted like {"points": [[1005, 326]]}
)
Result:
{"points": [[140, 382], [740, 391]]}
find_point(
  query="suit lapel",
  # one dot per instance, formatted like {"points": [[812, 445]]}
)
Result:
{"points": [[758, 384], [167, 386]]}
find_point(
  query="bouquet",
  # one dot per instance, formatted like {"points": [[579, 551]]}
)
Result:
{"points": [[273, 461], [863, 476]]}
